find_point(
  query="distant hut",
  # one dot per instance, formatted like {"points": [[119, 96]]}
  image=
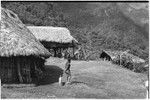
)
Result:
{"points": [[56, 39], [105, 56], [117, 55], [21, 54], [109, 54]]}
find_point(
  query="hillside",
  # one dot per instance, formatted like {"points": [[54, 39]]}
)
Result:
{"points": [[109, 26], [96, 26], [93, 79]]}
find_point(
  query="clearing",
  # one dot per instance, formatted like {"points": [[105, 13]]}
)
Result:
{"points": [[92, 79]]}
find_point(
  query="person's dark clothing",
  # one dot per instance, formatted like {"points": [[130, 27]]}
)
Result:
{"points": [[67, 68]]}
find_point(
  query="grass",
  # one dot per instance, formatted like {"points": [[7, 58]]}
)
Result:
{"points": [[92, 79]]}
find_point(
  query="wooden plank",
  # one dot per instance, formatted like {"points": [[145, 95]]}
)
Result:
{"points": [[6, 74], [16, 77], [29, 73], [2, 69], [13, 70], [9, 69], [19, 71], [28, 70]]}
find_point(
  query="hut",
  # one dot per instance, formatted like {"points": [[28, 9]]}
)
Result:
{"points": [[117, 55], [105, 55], [55, 39], [21, 54]]}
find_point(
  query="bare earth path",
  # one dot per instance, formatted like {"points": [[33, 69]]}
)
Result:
{"points": [[93, 79]]}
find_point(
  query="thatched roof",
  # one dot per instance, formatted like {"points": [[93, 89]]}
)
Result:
{"points": [[16, 39], [52, 34], [135, 58], [112, 54], [115, 54]]}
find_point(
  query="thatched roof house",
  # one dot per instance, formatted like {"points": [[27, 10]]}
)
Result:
{"points": [[112, 54], [54, 37], [53, 34], [116, 54], [21, 54]]}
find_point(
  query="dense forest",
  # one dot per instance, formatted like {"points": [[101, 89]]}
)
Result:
{"points": [[96, 26]]}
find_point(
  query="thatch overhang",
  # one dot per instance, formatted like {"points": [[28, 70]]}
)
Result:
{"points": [[112, 54], [57, 36], [16, 39], [135, 59], [116, 54]]}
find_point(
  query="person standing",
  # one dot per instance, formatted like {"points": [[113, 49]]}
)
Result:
{"points": [[67, 69]]}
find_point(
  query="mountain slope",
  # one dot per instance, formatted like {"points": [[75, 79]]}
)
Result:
{"points": [[109, 26]]}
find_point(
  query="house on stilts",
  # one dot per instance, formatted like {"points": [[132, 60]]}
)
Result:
{"points": [[22, 56], [55, 39]]}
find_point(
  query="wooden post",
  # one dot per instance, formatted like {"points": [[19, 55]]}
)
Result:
{"points": [[120, 58], [73, 51], [54, 52], [60, 52]]}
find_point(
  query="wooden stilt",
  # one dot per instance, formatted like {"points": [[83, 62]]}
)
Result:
{"points": [[73, 52], [54, 52]]}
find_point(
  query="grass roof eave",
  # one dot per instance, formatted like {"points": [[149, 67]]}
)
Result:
{"points": [[16, 39], [52, 34]]}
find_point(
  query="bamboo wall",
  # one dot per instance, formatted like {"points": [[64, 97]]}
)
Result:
{"points": [[20, 69]]}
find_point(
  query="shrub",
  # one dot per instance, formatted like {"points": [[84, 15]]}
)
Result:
{"points": [[125, 61], [140, 68]]}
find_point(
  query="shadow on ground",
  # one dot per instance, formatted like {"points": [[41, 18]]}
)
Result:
{"points": [[51, 74]]}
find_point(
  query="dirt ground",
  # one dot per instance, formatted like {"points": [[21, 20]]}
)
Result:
{"points": [[92, 79]]}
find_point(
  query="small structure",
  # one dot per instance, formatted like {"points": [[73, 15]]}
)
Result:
{"points": [[21, 54], [117, 55], [56, 39], [105, 56]]}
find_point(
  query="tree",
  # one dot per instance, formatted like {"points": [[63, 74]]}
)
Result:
{"points": [[36, 13]]}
